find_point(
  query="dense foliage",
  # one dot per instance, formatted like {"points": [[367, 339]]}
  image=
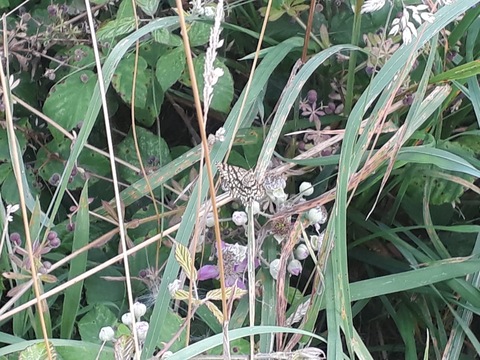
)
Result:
{"points": [[350, 196]]}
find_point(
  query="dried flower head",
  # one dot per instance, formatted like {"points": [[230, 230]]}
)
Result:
{"points": [[372, 5], [404, 26]]}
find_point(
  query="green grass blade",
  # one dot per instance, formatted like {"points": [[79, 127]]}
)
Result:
{"points": [[211, 342], [78, 265]]}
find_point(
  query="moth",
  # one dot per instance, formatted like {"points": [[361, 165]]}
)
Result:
{"points": [[242, 184]]}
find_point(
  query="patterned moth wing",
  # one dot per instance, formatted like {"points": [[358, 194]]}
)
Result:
{"points": [[241, 183]]}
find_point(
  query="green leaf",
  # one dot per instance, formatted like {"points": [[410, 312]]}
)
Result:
{"points": [[122, 81], [146, 116], [170, 67], [78, 265], [149, 7], [37, 352], [223, 89], [164, 36], [4, 149], [9, 189], [199, 33], [186, 262], [98, 290], [89, 326], [67, 100], [51, 159], [115, 28], [460, 72], [79, 57], [170, 327], [125, 10], [153, 149]]}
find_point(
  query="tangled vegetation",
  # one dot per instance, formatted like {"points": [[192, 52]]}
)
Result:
{"points": [[343, 222]]}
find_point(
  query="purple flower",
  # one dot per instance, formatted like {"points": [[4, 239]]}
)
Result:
{"points": [[207, 272]]}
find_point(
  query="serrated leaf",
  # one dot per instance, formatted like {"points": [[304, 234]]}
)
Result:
{"points": [[124, 347], [122, 81], [170, 67], [223, 89], [149, 7], [215, 311], [230, 292], [67, 100], [181, 295], [115, 28], [186, 262]]}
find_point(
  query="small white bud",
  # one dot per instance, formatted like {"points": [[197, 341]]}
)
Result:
{"points": [[294, 267], [166, 354], [141, 328], [306, 188], [318, 215], [127, 319], [210, 221], [106, 334], [211, 139], [220, 135], [278, 196], [301, 252], [139, 310], [274, 268], [239, 218]]}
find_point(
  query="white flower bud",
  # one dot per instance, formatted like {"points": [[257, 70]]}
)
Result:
{"points": [[306, 188], [220, 134], [106, 334], [139, 310], [141, 328], [294, 267], [274, 268], [278, 196], [239, 218], [318, 215], [210, 221], [166, 354], [127, 319], [301, 252]]}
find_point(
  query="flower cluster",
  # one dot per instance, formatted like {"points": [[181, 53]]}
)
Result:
{"points": [[235, 265], [107, 333], [39, 248], [308, 107]]}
